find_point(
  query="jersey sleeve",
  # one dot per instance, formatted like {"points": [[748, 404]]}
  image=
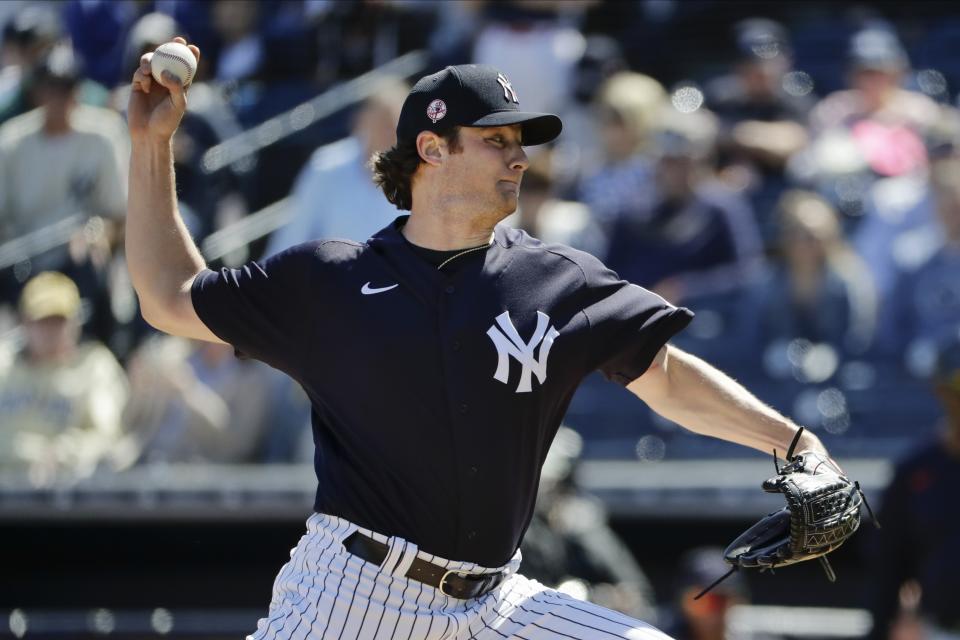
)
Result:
{"points": [[628, 324], [265, 310]]}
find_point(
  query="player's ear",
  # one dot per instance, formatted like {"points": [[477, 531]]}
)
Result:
{"points": [[429, 147]]}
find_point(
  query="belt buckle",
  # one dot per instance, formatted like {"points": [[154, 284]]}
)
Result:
{"points": [[443, 581]]}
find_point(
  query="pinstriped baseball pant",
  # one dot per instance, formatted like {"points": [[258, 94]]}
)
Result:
{"points": [[327, 593]]}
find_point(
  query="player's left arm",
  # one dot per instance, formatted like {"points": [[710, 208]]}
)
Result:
{"points": [[688, 391]]}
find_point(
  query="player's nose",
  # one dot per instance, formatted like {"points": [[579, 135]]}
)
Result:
{"points": [[519, 161]]}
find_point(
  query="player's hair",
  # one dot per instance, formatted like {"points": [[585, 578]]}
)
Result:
{"points": [[393, 169]]}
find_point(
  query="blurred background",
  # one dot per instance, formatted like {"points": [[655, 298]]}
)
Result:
{"points": [[789, 171]]}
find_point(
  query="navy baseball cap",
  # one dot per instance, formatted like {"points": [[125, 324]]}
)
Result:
{"points": [[877, 48], [470, 95]]}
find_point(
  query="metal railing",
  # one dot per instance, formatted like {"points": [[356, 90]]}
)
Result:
{"points": [[239, 234], [34, 243], [336, 98], [239, 147]]}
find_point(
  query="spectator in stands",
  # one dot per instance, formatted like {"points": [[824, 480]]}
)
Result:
{"points": [[60, 399], [570, 545], [195, 402], [627, 108], [911, 557], [579, 151], [883, 123], [543, 215], [816, 287], [705, 618], [925, 304], [169, 418], [900, 220], [762, 113], [96, 31], [65, 159], [334, 196], [241, 53], [693, 235], [62, 158], [355, 37], [28, 37], [536, 45]]}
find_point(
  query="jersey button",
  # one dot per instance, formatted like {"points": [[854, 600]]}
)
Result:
{"points": [[472, 535], [456, 345], [464, 409], [450, 288], [473, 471]]}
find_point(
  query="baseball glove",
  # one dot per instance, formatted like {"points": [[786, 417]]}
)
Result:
{"points": [[822, 511]]}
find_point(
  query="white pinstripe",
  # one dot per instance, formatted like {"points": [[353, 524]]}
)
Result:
{"points": [[325, 593]]}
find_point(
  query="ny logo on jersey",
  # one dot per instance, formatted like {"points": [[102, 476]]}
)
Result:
{"points": [[508, 91], [509, 343]]}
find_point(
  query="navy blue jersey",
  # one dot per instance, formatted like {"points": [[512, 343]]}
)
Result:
{"points": [[435, 395]]}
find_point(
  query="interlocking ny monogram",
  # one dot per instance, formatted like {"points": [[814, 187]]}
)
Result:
{"points": [[502, 79], [509, 343]]}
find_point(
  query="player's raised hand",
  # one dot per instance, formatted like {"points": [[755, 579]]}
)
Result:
{"points": [[156, 108]]}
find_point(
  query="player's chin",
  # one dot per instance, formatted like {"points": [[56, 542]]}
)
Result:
{"points": [[508, 203]]}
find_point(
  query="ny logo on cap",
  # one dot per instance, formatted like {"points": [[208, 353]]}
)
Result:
{"points": [[508, 91]]}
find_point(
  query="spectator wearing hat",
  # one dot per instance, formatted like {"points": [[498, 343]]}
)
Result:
{"points": [[762, 112], [704, 618], [60, 399], [28, 35], [915, 572], [887, 123], [63, 157]]}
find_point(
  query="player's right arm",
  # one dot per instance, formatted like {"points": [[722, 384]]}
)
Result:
{"points": [[161, 256]]}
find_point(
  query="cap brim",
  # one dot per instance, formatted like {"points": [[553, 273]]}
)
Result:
{"points": [[537, 128]]}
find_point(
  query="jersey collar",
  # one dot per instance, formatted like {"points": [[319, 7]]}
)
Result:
{"points": [[390, 237]]}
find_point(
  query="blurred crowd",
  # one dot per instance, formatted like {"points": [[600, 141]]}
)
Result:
{"points": [[796, 182], [794, 178]]}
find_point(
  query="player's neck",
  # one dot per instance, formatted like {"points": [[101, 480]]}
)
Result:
{"points": [[445, 232]]}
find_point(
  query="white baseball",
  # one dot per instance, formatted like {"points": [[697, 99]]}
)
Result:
{"points": [[175, 58]]}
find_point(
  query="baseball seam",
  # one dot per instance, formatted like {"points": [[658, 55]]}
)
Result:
{"points": [[186, 65]]}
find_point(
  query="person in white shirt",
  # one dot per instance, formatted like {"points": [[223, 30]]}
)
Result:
{"points": [[334, 196]]}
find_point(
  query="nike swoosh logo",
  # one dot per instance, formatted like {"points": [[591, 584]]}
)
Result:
{"points": [[367, 290]]}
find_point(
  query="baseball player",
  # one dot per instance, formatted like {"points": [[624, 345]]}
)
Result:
{"points": [[439, 357]]}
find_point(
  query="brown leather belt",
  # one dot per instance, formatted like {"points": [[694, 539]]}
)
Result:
{"points": [[452, 583]]}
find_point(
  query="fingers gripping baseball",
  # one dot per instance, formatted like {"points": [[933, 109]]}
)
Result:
{"points": [[157, 104]]}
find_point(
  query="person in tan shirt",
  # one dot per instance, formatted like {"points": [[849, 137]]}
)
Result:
{"points": [[60, 399]]}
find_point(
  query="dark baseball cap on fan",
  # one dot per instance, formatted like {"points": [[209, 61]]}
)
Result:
{"points": [[471, 95]]}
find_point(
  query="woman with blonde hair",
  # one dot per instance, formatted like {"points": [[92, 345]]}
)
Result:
{"points": [[817, 288], [627, 108]]}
